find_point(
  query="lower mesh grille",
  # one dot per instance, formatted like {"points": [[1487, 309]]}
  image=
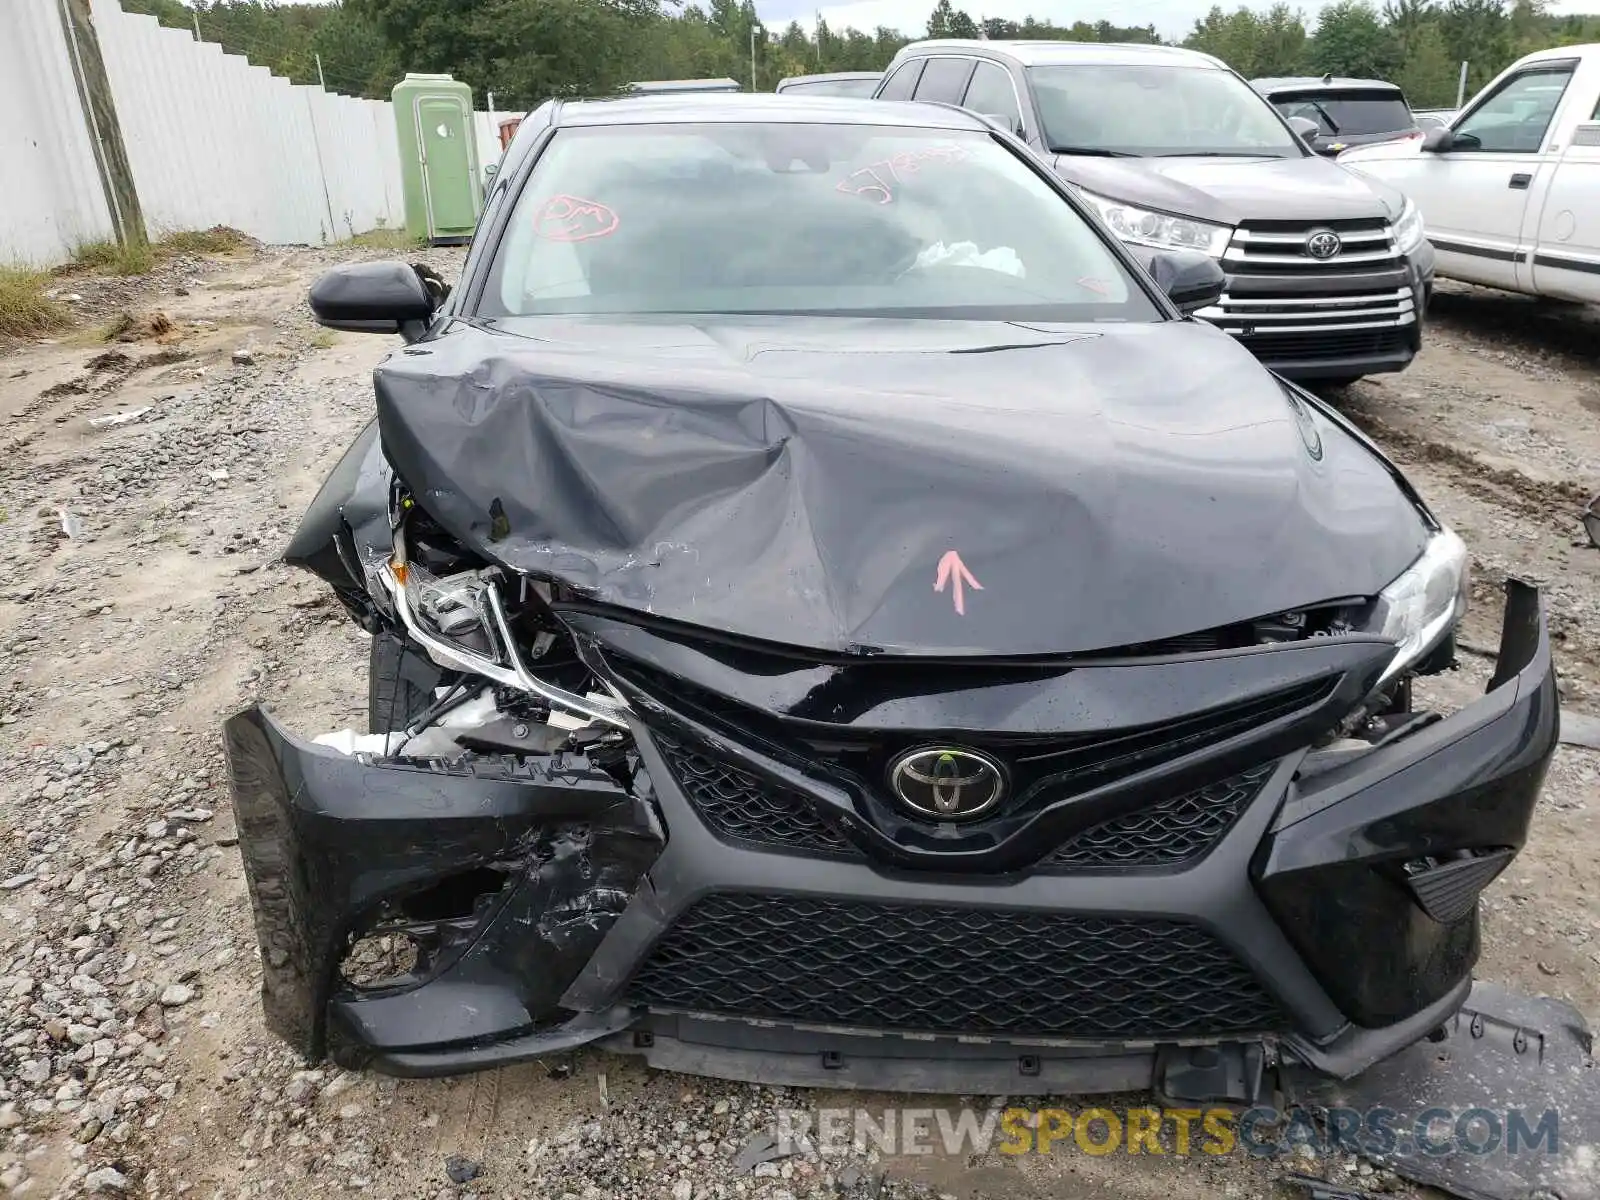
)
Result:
{"points": [[1277, 347], [742, 808], [952, 970], [1166, 834]]}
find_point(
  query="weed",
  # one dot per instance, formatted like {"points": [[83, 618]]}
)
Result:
{"points": [[323, 339], [385, 239], [136, 258], [219, 239], [25, 311]]}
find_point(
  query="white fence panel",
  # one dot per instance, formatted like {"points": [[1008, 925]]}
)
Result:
{"points": [[51, 201], [211, 140]]}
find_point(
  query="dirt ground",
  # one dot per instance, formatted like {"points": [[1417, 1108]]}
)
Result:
{"points": [[141, 602]]}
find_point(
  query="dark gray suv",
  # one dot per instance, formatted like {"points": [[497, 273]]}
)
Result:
{"points": [[1328, 272]]}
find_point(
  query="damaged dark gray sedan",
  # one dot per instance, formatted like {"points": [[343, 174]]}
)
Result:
{"points": [[836, 621]]}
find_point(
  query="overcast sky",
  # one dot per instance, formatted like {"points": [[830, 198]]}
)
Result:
{"points": [[1172, 18]]}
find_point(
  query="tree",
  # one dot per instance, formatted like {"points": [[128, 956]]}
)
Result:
{"points": [[962, 26], [1280, 42], [1427, 76], [1477, 32], [1351, 40], [939, 20]]}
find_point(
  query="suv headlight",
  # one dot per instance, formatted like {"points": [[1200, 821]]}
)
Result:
{"points": [[1424, 603], [1160, 230], [1408, 229]]}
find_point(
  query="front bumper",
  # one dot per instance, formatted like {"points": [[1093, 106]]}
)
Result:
{"points": [[554, 906]]}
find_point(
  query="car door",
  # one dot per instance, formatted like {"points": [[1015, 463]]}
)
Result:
{"points": [[1474, 196], [1566, 258]]}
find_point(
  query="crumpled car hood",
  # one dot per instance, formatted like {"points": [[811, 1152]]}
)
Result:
{"points": [[804, 481]]}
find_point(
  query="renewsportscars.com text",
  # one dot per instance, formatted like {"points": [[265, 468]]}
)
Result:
{"points": [[1181, 1132]]}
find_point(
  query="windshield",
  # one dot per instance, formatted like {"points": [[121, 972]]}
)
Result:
{"points": [[1349, 114], [835, 87], [785, 218], [1151, 110]]}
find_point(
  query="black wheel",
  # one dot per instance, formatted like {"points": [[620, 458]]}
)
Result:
{"points": [[400, 682]]}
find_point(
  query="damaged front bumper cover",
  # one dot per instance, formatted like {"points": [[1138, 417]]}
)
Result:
{"points": [[426, 919]]}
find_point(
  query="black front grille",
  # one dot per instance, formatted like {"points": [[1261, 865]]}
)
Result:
{"points": [[1351, 343], [952, 970], [744, 809], [1165, 834]]}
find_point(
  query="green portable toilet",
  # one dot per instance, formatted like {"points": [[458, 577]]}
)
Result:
{"points": [[438, 158]]}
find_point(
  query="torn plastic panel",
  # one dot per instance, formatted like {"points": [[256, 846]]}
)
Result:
{"points": [[1501, 1102], [800, 483], [507, 873], [346, 528], [1359, 872]]}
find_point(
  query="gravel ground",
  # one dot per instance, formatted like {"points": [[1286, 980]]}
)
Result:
{"points": [[142, 603]]}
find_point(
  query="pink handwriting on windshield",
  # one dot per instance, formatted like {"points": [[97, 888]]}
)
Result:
{"points": [[573, 219], [873, 181]]}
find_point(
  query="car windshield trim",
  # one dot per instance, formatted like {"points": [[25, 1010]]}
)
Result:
{"points": [[1150, 110], [888, 228]]}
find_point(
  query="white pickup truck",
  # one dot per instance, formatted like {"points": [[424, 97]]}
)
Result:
{"points": [[1510, 190]]}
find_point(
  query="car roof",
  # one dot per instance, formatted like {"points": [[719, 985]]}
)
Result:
{"points": [[829, 76], [1319, 83], [1043, 54], [763, 107]]}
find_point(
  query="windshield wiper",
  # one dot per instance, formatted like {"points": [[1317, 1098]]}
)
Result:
{"points": [[1093, 152], [1333, 126]]}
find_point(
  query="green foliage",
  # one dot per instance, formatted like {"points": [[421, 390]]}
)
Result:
{"points": [[1351, 40], [107, 257], [526, 51], [25, 311]]}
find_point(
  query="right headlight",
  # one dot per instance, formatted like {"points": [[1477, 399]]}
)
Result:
{"points": [[1163, 231], [1424, 603], [1408, 229]]}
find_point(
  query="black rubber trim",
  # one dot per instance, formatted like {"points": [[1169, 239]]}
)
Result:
{"points": [[1566, 264], [1477, 251]]}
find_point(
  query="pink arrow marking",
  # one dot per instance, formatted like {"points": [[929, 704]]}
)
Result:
{"points": [[954, 572]]}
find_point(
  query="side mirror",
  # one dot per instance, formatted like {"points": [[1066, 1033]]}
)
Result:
{"points": [[1009, 123], [1191, 280], [380, 297], [1305, 128], [1438, 139]]}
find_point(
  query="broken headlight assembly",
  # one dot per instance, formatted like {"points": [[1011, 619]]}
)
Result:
{"points": [[461, 621], [1422, 605]]}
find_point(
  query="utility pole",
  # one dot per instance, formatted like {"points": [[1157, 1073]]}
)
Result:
{"points": [[752, 53], [195, 12], [321, 82], [819, 39], [1461, 87]]}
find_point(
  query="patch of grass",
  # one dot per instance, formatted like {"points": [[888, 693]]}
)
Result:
{"points": [[134, 259], [25, 311], [386, 239], [323, 339], [219, 239]]}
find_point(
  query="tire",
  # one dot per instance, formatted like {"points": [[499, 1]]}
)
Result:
{"points": [[400, 682], [1342, 382]]}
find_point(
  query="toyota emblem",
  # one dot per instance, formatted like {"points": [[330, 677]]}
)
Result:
{"points": [[1323, 243], [948, 783]]}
